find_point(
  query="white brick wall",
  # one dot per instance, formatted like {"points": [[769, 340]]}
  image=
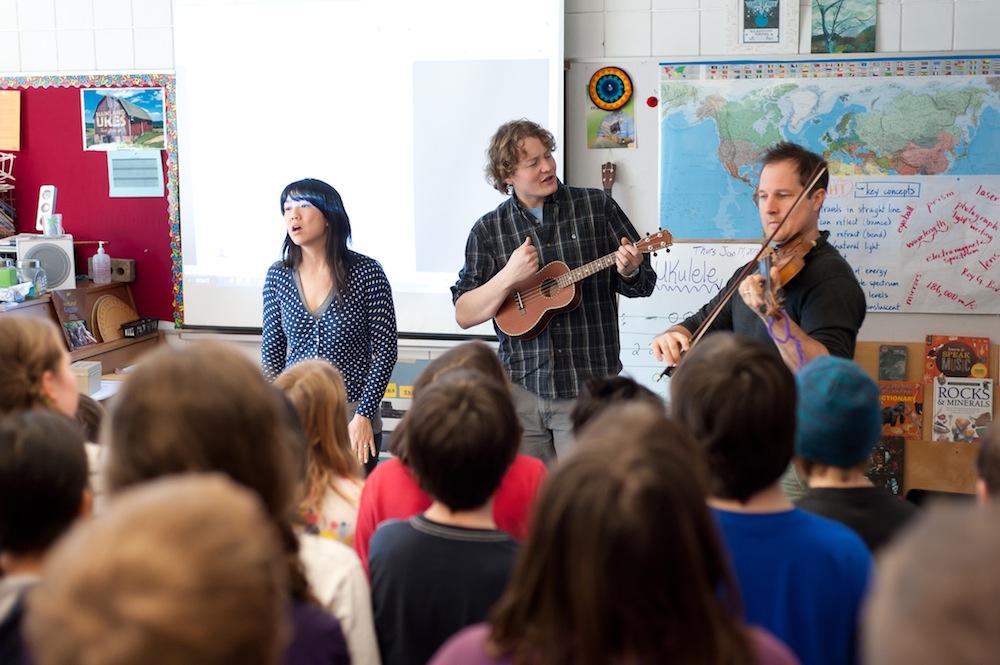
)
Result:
{"points": [[122, 35], [80, 36], [663, 28]]}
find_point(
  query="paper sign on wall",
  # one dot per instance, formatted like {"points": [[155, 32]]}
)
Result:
{"points": [[10, 119]]}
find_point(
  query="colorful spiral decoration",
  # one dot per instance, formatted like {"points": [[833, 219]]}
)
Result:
{"points": [[610, 88]]}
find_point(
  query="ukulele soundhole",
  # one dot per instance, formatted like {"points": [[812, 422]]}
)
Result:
{"points": [[549, 288]]}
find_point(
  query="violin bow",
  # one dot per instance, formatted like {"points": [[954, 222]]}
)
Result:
{"points": [[746, 270]]}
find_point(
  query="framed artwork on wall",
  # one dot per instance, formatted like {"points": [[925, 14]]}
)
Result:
{"points": [[762, 26]]}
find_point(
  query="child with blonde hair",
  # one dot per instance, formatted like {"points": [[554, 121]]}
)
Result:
{"points": [[333, 476]]}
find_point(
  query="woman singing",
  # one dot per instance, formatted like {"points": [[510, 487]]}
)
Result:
{"points": [[323, 300]]}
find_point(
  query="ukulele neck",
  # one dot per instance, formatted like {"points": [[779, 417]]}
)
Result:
{"points": [[586, 270]]}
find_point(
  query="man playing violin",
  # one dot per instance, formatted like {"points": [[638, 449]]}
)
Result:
{"points": [[544, 221], [821, 307]]}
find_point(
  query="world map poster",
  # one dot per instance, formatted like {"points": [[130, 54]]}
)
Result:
{"points": [[914, 196]]}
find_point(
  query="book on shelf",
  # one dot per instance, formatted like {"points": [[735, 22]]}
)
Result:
{"points": [[902, 408], [891, 362], [963, 409], [886, 469], [956, 356], [68, 309]]}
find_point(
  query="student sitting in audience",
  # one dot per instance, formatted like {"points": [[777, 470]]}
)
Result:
{"points": [[440, 571], [391, 492], [802, 576], [43, 489], [183, 570], [623, 563], [37, 373], [333, 473], [839, 423], [935, 598], [599, 392], [988, 467], [207, 408]]}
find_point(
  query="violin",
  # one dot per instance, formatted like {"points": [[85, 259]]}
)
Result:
{"points": [[789, 258]]}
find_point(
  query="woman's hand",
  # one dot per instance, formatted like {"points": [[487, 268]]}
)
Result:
{"points": [[362, 438]]}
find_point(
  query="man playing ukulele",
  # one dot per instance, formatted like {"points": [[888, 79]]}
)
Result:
{"points": [[544, 221]]}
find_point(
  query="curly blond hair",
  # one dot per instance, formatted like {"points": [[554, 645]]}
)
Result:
{"points": [[506, 148]]}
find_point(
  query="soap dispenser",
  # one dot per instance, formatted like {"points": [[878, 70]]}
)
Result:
{"points": [[102, 265]]}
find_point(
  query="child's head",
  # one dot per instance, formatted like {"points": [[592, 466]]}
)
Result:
{"points": [[463, 434], [737, 398], [208, 408], [178, 570], [90, 414], [469, 355], [316, 390], [43, 480], [623, 561], [934, 599], [203, 408], [839, 417], [601, 392], [36, 366]]}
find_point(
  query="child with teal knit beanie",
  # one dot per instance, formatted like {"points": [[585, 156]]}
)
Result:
{"points": [[839, 421]]}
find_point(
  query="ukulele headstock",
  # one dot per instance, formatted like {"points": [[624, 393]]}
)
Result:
{"points": [[655, 241], [608, 171]]}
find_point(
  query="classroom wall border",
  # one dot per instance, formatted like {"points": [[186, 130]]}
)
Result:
{"points": [[136, 80]]}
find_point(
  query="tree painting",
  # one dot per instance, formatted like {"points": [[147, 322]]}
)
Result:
{"points": [[843, 26]]}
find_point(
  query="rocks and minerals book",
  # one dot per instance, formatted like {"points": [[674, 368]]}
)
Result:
{"points": [[963, 409]]}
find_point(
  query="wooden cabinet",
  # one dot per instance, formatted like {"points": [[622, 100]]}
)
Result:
{"points": [[112, 355]]}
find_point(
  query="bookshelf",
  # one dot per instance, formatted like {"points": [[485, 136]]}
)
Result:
{"points": [[931, 465], [112, 355]]}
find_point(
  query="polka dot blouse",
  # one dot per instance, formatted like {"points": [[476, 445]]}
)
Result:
{"points": [[356, 335]]}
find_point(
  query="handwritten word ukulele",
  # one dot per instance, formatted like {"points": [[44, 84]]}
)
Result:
{"points": [[552, 290]]}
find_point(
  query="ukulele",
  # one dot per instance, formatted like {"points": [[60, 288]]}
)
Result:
{"points": [[552, 290], [608, 170]]}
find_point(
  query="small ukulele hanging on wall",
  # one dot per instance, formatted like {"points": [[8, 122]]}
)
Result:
{"points": [[608, 170]]}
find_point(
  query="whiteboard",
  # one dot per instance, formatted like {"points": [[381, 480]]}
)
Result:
{"points": [[928, 244], [686, 278]]}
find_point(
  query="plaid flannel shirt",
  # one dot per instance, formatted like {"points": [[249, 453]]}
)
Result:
{"points": [[580, 225]]}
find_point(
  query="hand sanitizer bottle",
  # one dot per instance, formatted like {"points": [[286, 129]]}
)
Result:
{"points": [[102, 266]]}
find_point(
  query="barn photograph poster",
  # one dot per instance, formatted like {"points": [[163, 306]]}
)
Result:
{"points": [[122, 118]]}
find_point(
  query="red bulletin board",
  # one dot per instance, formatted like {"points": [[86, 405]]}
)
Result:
{"points": [[52, 154]]}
